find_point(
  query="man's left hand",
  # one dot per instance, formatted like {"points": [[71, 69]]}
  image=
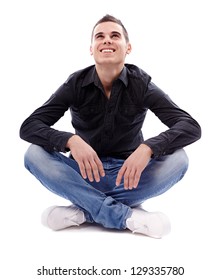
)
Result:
{"points": [[133, 166]]}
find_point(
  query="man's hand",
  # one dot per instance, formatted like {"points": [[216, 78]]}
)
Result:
{"points": [[133, 166], [89, 163]]}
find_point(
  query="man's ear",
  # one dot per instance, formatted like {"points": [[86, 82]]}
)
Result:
{"points": [[129, 48], [91, 51]]}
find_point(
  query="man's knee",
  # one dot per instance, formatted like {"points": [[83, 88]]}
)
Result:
{"points": [[33, 155], [181, 159]]}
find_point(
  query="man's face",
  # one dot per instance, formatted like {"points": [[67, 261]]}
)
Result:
{"points": [[108, 44]]}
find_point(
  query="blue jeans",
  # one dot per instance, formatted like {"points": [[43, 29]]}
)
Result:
{"points": [[103, 202]]}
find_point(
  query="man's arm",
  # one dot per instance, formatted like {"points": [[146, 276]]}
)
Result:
{"points": [[182, 130], [37, 128]]}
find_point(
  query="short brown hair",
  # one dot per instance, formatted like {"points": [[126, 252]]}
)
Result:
{"points": [[110, 18]]}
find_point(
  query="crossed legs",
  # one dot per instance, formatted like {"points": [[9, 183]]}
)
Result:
{"points": [[103, 202]]}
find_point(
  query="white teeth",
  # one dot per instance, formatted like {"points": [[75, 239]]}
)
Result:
{"points": [[107, 51]]}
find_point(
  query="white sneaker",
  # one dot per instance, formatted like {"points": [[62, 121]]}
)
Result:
{"points": [[61, 217], [153, 224]]}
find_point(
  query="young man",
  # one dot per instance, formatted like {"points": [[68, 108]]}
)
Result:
{"points": [[111, 169]]}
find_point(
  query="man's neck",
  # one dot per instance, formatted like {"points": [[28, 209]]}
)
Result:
{"points": [[107, 75]]}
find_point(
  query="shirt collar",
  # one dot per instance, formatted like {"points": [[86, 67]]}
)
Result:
{"points": [[92, 77]]}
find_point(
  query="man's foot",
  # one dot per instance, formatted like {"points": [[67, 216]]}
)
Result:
{"points": [[61, 217], [154, 224]]}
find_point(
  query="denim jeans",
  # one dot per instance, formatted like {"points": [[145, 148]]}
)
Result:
{"points": [[102, 202]]}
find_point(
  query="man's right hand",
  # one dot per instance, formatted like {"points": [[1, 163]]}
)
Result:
{"points": [[89, 163]]}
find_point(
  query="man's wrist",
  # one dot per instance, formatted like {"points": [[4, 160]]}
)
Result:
{"points": [[69, 142], [147, 149]]}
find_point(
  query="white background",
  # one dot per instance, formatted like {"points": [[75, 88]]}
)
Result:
{"points": [[177, 43]]}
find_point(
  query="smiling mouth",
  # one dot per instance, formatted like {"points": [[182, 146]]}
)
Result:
{"points": [[107, 50]]}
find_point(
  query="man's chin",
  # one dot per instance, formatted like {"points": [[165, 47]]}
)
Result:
{"points": [[108, 62]]}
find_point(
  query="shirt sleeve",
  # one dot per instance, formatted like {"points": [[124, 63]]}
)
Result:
{"points": [[37, 128], [182, 130]]}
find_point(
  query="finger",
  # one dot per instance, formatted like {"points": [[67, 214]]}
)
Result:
{"points": [[95, 171], [137, 179], [126, 180], [100, 167], [82, 170], [120, 175], [131, 180], [88, 170]]}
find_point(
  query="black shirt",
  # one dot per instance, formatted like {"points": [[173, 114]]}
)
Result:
{"points": [[112, 127]]}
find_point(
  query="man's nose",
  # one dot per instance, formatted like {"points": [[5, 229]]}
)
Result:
{"points": [[107, 40]]}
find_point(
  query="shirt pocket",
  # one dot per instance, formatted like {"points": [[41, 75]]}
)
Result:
{"points": [[131, 113], [91, 114]]}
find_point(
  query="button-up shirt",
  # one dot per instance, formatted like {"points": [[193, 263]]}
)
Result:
{"points": [[111, 126]]}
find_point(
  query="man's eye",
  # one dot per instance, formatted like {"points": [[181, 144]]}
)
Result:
{"points": [[115, 35]]}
